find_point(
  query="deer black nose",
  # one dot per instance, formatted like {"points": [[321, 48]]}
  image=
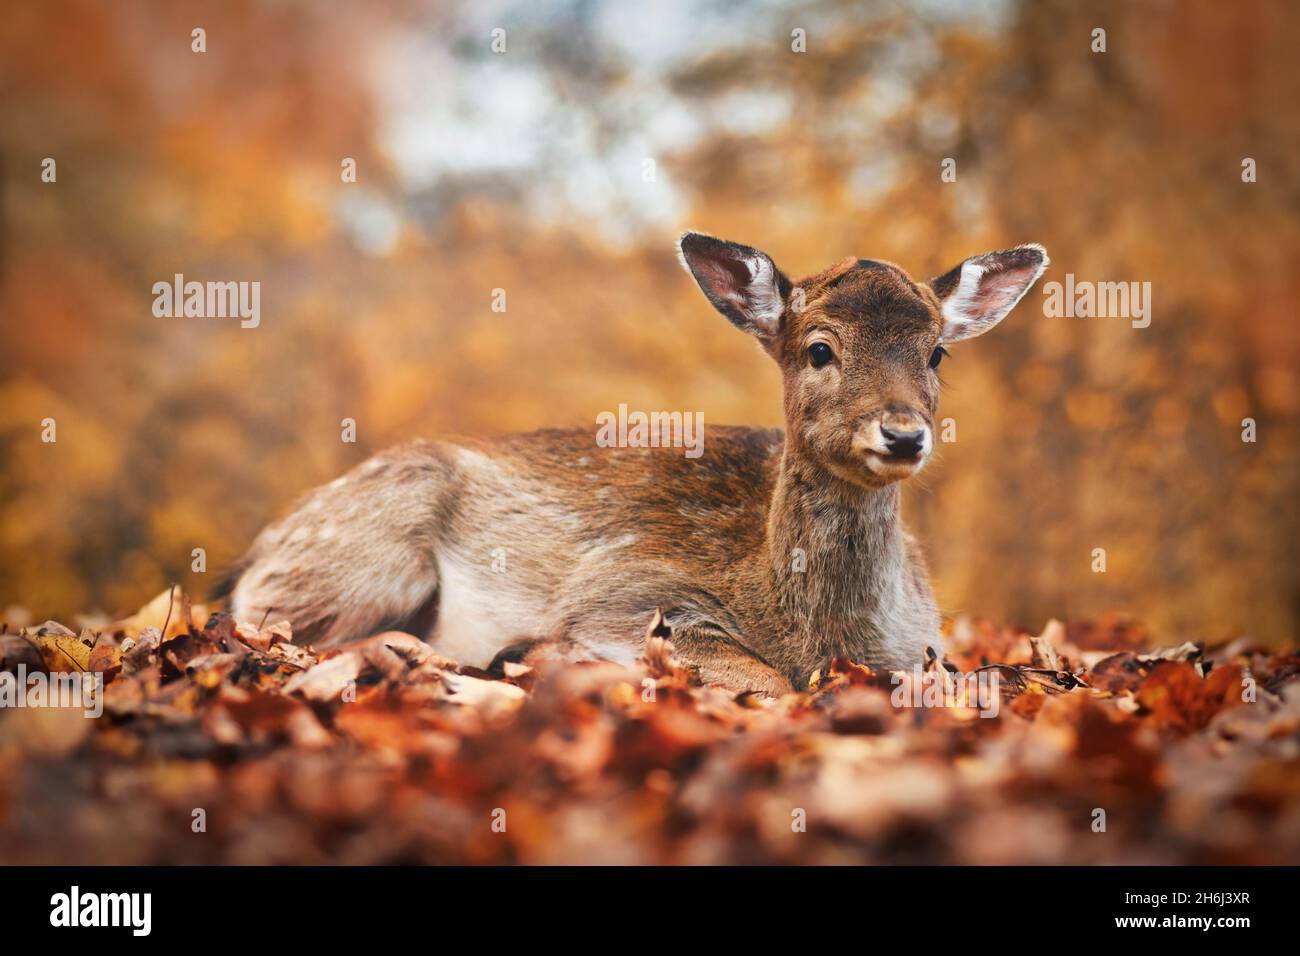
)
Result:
{"points": [[903, 444]]}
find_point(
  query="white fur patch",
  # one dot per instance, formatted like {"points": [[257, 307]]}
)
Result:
{"points": [[960, 307], [984, 297], [764, 304], [760, 301], [620, 652], [479, 613]]}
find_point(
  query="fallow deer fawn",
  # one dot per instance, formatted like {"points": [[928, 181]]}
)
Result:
{"points": [[769, 554]]}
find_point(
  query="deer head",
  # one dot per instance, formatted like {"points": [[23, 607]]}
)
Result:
{"points": [[859, 344]]}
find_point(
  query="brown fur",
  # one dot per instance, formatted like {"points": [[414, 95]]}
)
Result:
{"points": [[545, 539]]}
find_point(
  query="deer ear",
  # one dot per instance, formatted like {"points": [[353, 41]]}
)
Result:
{"points": [[978, 294], [742, 283]]}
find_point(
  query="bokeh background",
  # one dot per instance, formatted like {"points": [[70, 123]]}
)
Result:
{"points": [[527, 171]]}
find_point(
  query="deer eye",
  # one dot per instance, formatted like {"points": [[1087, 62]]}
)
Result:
{"points": [[820, 353], [937, 356]]}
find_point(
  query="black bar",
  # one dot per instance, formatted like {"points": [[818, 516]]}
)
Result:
{"points": [[366, 905]]}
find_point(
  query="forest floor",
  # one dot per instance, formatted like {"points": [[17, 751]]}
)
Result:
{"points": [[224, 742]]}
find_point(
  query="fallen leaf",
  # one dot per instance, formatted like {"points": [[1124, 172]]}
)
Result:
{"points": [[60, 650]]}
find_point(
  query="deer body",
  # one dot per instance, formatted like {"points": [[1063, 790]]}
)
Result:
{"points": [[768, 554]]}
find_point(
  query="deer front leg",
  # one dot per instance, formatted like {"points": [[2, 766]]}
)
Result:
{"points": [[600, 621], [714, 656], [719, 658]]}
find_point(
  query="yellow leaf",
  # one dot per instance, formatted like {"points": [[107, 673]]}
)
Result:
{"points": [[62, 652]]}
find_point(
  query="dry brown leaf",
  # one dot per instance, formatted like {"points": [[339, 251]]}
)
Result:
{"points": [[327, 680], [1176, 695], [1042, 648], [105, 657]]}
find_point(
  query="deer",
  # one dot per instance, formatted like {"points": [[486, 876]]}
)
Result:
{"points": [[768, 555]]}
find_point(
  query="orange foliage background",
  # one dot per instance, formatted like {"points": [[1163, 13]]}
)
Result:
{"points": [[525, 171]]}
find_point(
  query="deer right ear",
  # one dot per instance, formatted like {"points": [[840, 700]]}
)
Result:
{"points": [[978, 293], [742, 283]]}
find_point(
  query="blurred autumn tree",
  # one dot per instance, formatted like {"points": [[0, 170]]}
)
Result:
{"points": [[560, 171]]}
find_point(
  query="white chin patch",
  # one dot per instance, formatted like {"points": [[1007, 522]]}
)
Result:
{"points": [[889, 468]]}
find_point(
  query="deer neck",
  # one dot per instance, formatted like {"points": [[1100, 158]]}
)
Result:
{"points": [[835, 556]]}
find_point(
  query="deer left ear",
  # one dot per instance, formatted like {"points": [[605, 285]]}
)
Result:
{"points": [[742, 282], [978, 294]]}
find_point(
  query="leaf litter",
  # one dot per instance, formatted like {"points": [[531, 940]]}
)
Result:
{"points": [[225, 742]]}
